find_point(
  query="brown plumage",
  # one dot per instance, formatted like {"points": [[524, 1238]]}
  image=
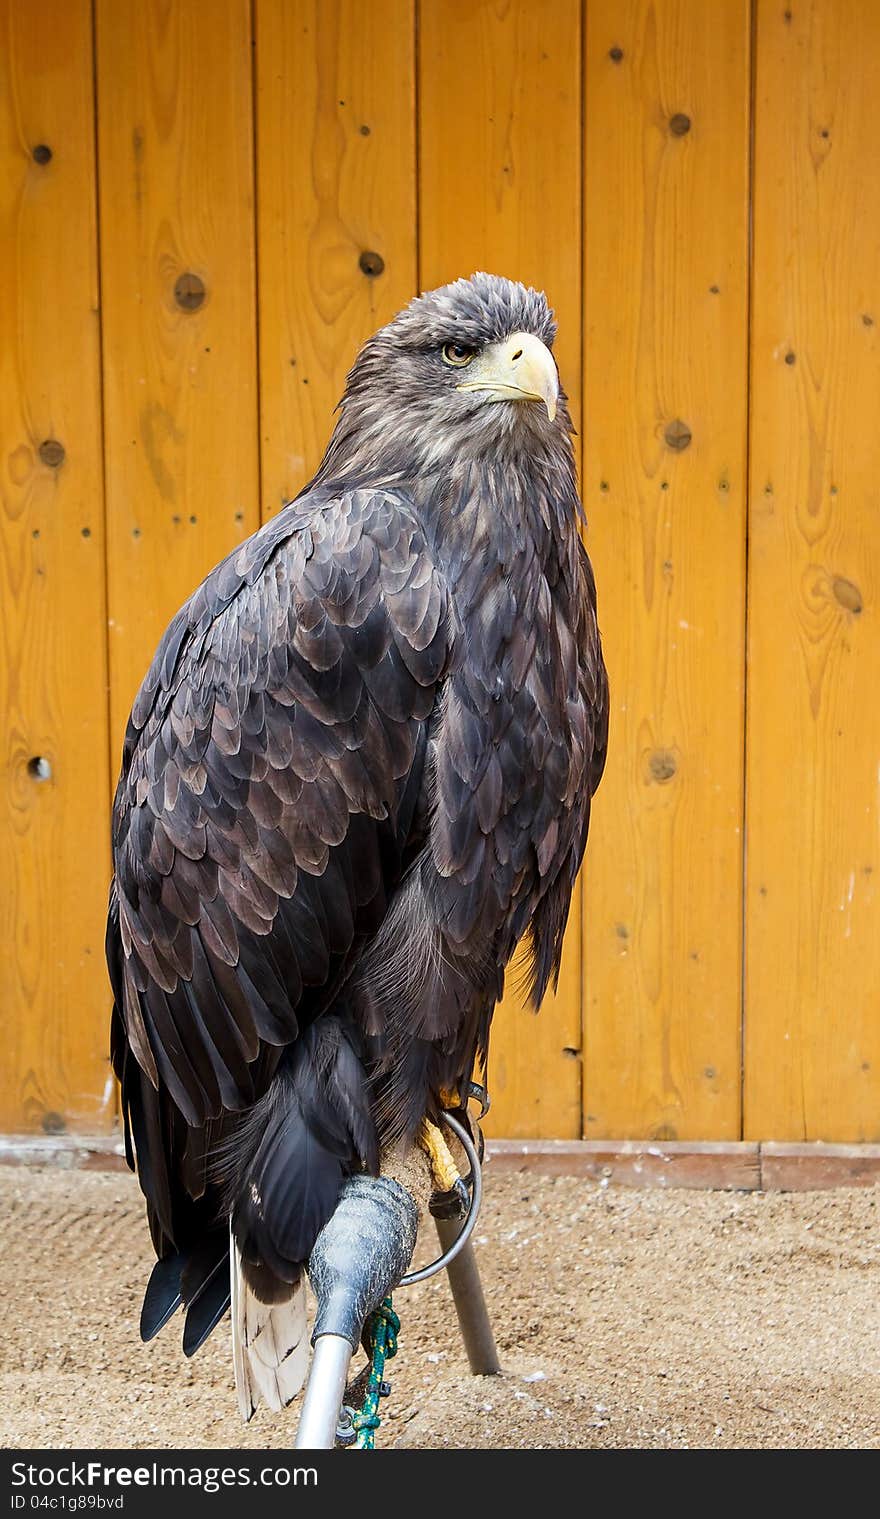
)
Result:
{"points": [[357, 774]]}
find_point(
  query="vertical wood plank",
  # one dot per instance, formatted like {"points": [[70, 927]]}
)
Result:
{"points": [[666, 265], [179, 328], [54, 835], [812, 1053], [500, 189], [500, 154], [336, 185]]}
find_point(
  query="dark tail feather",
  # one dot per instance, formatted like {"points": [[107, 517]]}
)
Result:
{"points": [[162, 1297], [204, 1286], [199, 1278], [286, 1164], [205, 1315]]}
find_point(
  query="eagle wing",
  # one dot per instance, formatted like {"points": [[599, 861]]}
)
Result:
{"points": [[268, 804]]}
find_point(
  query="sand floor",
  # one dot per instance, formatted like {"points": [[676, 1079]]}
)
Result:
{"points": [[624, 1318]]}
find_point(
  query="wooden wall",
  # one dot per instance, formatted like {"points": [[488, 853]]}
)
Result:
{"points": [[812, 1041], [205, 207], [666, 397]]}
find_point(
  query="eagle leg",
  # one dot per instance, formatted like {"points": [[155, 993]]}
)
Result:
{"points": [[450, 1198]]}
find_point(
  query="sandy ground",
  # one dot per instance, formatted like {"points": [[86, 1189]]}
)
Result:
{"points": [[623, 1319]]}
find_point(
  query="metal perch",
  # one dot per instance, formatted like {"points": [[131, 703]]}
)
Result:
{"points": [[362, 1254]]}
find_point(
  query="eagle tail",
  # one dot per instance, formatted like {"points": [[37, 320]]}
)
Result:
{"points": [[270, 1347], [163, 1296], [198, 1278]]}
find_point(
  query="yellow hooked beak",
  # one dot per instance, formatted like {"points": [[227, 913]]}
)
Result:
{"points": [[522, 368]]}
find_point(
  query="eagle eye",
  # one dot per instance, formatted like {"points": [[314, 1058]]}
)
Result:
{"points": [[457, 354]]}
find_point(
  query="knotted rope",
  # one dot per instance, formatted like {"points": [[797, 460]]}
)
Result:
{"points": [[383, 1327]]}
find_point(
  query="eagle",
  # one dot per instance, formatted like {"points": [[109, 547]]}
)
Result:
{"points": [[358, 773]]}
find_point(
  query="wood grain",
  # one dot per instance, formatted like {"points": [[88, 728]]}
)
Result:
{"points": [[176, 196], [500, 153], [500, 189], [666, 266], [54, 836], [336, 181], [812, 1050], [648, 273]]}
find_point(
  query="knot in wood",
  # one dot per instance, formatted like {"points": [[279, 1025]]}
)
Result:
{"points": [[372, 264], [42, 154], [679, 124], [677, 435], [847, 594], [189, 291], [51, 453], [662, 765]]}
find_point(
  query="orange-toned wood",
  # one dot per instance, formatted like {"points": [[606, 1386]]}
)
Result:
{"points": [[180, 381], [336, 183], [500, 152], [535, 1060], [812, 1029], [658, 251], [54, 838], [666, 264], [500, 189]]}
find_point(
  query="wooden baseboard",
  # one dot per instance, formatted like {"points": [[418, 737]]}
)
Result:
{"points": [[633, 1162], [741, 1167], [809, 1168], [70, 1152]]}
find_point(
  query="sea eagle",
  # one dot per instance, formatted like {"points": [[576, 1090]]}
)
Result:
{"points": [[357, 774]]}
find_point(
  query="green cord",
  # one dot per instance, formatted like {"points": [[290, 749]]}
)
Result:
{"points": [[383, 1329]]}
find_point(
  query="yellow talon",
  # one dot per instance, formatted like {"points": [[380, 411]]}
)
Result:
{"points": [[443, 1168]]}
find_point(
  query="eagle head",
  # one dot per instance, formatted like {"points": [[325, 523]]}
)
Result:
{"points": [[462, 372]]}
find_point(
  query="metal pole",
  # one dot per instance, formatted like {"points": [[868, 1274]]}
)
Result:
{"points": [[359, 1256], [470, 1304], [323, 1397]]}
